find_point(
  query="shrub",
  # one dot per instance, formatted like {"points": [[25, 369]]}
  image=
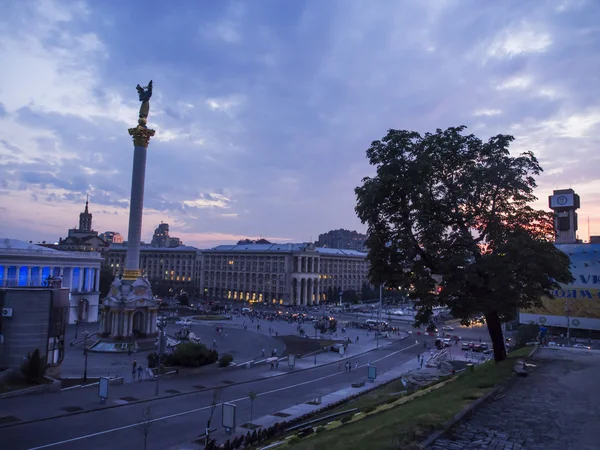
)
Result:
{"points": [[225, 360], [320, 429], [34, 367], [293, 440], [369, 409], [347, 418], [191, 354], [152, 360]]}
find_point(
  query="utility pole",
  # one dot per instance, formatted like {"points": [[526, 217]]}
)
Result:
{"points": [[341, 293], [161, 326]]}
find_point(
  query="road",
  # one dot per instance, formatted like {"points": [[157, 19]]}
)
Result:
{"points": [[181, 419]]}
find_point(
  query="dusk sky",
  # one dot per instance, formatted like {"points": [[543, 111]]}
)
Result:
{"points": [[263, 109]]}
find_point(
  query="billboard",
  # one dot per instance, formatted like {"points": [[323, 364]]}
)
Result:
{"points": [[581, 298]]}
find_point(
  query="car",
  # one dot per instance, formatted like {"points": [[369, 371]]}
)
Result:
{"points": [[582, 346], [447, 328], [431, 328]]}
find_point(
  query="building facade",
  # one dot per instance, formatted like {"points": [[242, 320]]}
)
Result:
{"points": [[285, 274], [162, 239], [112, 237], [33, 318], [83, 238], [166, 268], [343, 239], [27, 265]]}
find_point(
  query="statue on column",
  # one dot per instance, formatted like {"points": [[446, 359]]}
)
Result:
{"points": [[144, 93]]}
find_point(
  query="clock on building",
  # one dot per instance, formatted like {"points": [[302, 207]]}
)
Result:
{"points": [[562, 200]]}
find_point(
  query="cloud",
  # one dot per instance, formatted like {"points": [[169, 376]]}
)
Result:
{"points": [[263, 114], [520, 40]]}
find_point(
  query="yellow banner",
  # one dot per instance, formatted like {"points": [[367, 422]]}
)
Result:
{"points": [[580, 302]]}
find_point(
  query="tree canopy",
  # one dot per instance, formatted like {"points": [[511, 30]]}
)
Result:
{"points": [[449, 219]]}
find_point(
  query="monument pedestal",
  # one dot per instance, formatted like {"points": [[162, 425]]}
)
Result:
{"points": [[129, 311]]}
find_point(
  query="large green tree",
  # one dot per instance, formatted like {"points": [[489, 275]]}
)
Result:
{"points": [[449, 220]]}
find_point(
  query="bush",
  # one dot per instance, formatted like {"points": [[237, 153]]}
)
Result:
{"points": [[293, 440], [369, 409], [347, 418], [527, 333], [34, 367], [191, 355], [152, 360], [320, 429], [225, 360]]}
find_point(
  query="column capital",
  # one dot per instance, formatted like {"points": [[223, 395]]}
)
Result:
{"points": [[141, 136]]}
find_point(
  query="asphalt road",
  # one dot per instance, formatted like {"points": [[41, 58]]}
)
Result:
{"points": [[181, 419]]}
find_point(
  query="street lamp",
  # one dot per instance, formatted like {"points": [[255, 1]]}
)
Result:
{"points": [[341, 293], [85, 353], [568, 311], [161, 325], [379, 313], [76, 327], [315, 340]]}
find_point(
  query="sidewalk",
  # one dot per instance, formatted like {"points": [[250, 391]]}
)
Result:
{"points": [[328, 400], [80, 400]]}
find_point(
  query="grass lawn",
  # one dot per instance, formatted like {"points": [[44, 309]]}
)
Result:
{"points": [[207, 317], [298, 345], [405, 425], [69, 382]]}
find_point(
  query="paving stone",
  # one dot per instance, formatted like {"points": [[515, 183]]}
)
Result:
{"points": [[541, 412]]}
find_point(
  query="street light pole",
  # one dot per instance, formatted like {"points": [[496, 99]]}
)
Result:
{"points": [[85, 352], [341, 304], [568, 311], [315, 340], [379, 313], [161, 326], [76, 327]]}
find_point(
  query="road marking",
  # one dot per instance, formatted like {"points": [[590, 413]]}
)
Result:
{"points": [[191, 411]]}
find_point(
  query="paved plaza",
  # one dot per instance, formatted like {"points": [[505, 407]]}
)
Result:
{"points": [[244, 344], [557, 407]]}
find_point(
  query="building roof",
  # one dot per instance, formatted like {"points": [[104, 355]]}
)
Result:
{"points": [[283, 248], [181, 248], [15, 247], [7, 243]]}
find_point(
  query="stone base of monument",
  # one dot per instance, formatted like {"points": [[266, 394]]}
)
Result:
{"points": [[128, 314]]}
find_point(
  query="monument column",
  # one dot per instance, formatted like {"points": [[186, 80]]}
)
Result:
{"points": [[141, 138]]}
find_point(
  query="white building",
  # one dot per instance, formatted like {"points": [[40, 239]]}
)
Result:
{"points": [[24, 264], [285, 274]]}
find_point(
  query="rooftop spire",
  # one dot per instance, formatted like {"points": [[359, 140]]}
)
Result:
{"points": [[87, 201]]}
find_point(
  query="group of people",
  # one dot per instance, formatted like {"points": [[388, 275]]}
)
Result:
{"points": [[136, 368]]}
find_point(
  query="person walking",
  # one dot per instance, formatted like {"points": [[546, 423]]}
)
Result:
{"points": [[356, 364], [263, 352], [140, 371], [133, 368]]}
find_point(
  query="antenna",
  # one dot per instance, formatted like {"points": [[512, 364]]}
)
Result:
{"points": [[589, 230]]}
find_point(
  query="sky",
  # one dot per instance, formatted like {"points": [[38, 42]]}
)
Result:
{"points": [[263, 110]]}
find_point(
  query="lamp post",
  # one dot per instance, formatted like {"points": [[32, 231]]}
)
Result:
{"points": [[341, 293], [315, 340], [85, 353], [568, 311], [379, 313], [76, 327], [161, 325]]}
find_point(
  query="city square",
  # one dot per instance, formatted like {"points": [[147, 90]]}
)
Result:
{"points": [[319, 225]]}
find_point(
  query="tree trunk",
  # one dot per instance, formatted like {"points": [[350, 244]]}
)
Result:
{"points": [[495, 330]]}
